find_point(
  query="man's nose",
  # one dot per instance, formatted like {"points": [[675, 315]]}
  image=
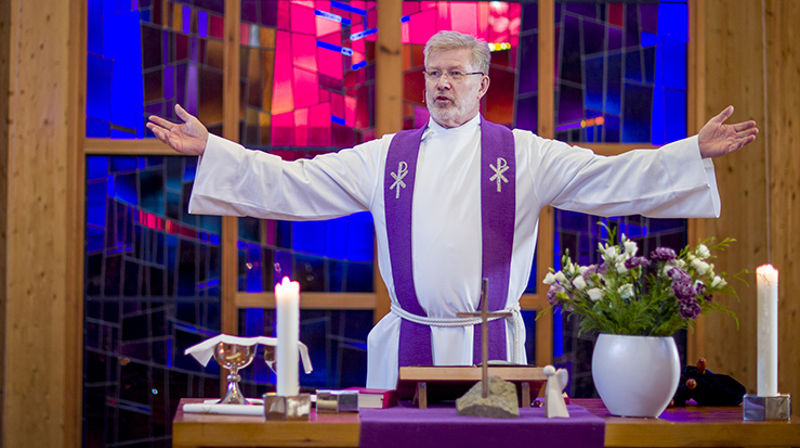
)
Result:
{"points": [[443, 82]]}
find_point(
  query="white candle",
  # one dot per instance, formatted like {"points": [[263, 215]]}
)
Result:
{"points": [[287, 315], [767, 308]]}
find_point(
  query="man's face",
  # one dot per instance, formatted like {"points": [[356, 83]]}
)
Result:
{"points": [[453, 102]]}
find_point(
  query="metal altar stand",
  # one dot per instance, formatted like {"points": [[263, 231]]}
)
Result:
{"points": [[430, 384]]}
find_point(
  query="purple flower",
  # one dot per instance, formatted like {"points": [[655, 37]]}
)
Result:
{"points": [[663, 254], [679, 275], [700, 287], [632, 262], [683, 291], [591, 270], [555, 288], [689, 309]]}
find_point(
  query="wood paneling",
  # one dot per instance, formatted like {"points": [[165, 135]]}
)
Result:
{"points": [[783, 136], [759, 184], [38, 313], [5, 39]]}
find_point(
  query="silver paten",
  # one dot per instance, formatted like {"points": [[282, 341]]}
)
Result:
{"points": [[757, 408]]}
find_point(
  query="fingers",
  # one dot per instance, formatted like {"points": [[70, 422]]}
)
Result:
{"points": [[182, 114], [159, 132], [745, 125], [168, 125], [724, 115]]}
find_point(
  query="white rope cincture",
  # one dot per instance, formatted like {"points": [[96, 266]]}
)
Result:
{"points": [[517, 325]]}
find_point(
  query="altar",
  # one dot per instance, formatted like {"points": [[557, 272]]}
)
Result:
{"points": [[677, 427]]}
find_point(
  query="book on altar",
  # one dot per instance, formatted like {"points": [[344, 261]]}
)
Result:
{"points": [[375, 398]]}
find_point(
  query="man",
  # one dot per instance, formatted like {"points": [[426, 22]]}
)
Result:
{"points": [[453, 202]]}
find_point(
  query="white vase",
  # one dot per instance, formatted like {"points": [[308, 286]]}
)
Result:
{"points": [[636, 376]]}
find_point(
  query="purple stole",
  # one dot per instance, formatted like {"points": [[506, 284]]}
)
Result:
{"points": [[498, 206]]}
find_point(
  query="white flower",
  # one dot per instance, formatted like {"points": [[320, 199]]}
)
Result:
{"points": [[583, 269], [718, 282], [595, 294], [579, 283], [611, 252], [549, 279], [667, 268], [702, 252], [621, 267], [701, 267], [626, 291], [631, 247], [561, 278], [680, 263]]}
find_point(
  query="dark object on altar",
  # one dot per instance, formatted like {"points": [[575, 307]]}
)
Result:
{"points": [[707, 388]]}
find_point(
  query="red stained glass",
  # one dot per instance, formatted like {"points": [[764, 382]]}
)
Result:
{"points": [[350, 105], [615, 14], [337, 105], [303, 19], [326, 26], [465, 17], [244, 35], [319, 119], [216, 26], [282, 97], [304, 51], [305, 88], [300, 127], [283, 129], [283, 16], [422, 26]]}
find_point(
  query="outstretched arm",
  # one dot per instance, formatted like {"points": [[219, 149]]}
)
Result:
{"points": [[717, 138], [188, 138]]}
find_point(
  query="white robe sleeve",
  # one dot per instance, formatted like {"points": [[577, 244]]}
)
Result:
{"points": [[232, 180], [670, 182]]}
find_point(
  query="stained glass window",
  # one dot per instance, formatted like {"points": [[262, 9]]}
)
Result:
{"points": [[145, 56], [621, 71], [307, 73], [498, 23], [152, 289]]}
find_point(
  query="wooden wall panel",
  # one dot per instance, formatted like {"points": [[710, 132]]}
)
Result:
{"points": [[733, 53], [783, 134], [758, 185], [5, 16], [36, 224]]}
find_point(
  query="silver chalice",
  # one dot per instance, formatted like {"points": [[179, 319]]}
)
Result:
{"points": [[234, 357]]}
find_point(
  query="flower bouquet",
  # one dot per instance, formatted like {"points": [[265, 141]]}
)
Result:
{"points": [[637, 302], [636, 295]]}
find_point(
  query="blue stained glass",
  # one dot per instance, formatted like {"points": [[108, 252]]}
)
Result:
{"points": [[649, 64], [649, 15], [611, 128], [675, 111], [593, 37], [571, 62], [124, 30], [593, 74], [631, 26], [347, 238], [636, 127], [145, 15], [97, 128], [674, 71], [98, 91], [94, 238], [94, 34], [633, 65], [648, 39], [97, 167], [96, 204], [613, 88], [657, 125], [570, 104], [530, 16], [672, 21], [527, 113], [125, 189], [123, 164], [528, 76]]}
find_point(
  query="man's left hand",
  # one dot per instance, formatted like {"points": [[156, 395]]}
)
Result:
{"points": [[717, 138]]}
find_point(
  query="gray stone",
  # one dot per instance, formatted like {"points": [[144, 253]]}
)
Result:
{"points": [[500, 403]]}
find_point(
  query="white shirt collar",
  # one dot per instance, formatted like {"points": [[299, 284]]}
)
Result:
{"points": [[469, 126]]}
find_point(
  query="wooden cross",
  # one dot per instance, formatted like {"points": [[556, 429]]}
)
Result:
{"points": [[485, 315]]}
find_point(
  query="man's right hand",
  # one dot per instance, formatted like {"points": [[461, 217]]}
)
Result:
{"points": [[188, 138]]}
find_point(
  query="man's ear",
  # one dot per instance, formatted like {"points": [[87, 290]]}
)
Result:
{"points": [[484, 86]]}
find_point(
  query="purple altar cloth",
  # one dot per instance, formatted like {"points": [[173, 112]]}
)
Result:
{"points": [[442, 427]]}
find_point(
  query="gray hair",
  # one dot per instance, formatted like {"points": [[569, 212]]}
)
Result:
{"points": [[453, 40]]}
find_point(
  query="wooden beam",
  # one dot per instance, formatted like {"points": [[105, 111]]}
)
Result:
{"points": [[546, 128], [388, 105], [695, 119], [311, 300], [76, 198], [37, 224], [230, 130], [126, 147]]}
